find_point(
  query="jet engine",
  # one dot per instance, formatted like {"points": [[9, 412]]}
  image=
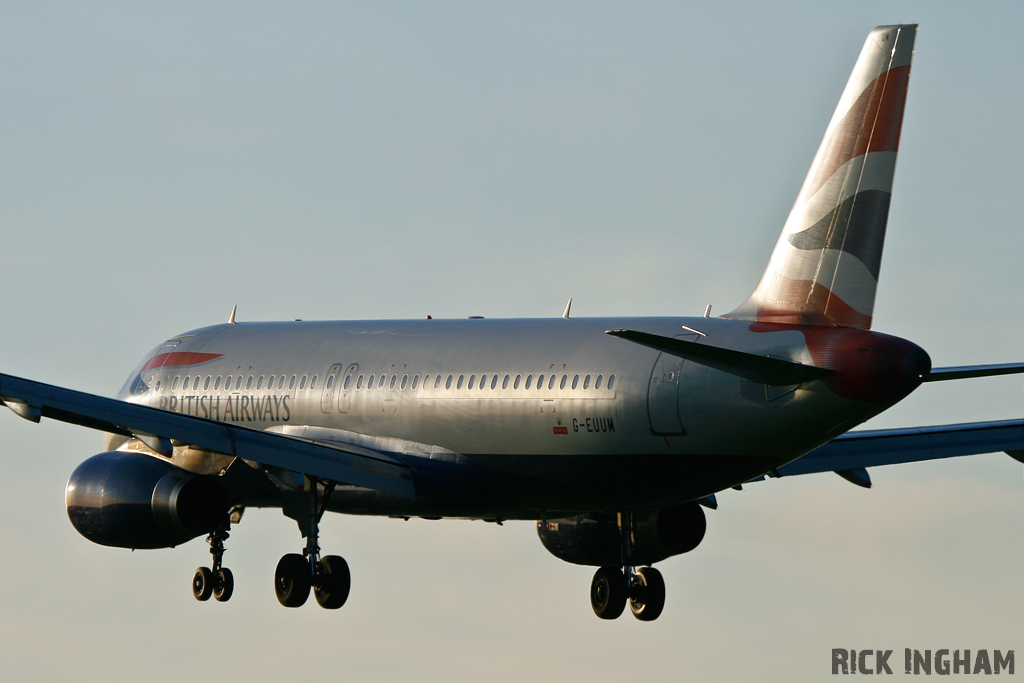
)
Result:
{"points": [[594, 539], [128, 500]]}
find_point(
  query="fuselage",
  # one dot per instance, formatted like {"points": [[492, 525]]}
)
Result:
{"points": [[545, 415]]}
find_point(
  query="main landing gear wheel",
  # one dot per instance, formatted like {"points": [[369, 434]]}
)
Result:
{"points": [[608, 592], [332, 581], [218, 581], [292, 580], [225, 585], [647, 594], [202, 584]]}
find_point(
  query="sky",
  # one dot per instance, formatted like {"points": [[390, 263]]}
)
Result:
{"points": [[162, 162]]}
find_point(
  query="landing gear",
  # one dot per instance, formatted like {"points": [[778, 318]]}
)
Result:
{"points": [[608, 592], [296, 574], [218, 581], [642, 587]]}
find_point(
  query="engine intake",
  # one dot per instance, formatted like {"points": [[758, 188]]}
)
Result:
{"points": [[594, 539], [126, 500]]}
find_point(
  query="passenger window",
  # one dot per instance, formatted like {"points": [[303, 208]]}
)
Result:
{"points": [[405, 381], [448, 384], [270, 383], [561, 385], [415, 382], [348, 380], [611, 382], [369, 383], [330, 382], [195, 385], [238, 383], [551, 383], [540, 382], [472, 378], [248, 383], [504, 382], [586, 382], [184, 385], [174, 385], [302, 383], [259, 383], [216, 384], [459, 385], [359, 382], [597, 384], [380, 382], [515, 385], [312, 383], [483, 381], [280, 383], [291, 383], [227, 384], [575, 381], [394, 379], [437, 382]]}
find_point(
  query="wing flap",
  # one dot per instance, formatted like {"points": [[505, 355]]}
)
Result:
{"points": [[338, 462]]}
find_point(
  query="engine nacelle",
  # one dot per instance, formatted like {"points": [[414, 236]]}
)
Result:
{"points": [[594, 539], [127, 500]]}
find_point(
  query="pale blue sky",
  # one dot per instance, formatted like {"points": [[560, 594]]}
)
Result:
{"points": [[161, 162]]}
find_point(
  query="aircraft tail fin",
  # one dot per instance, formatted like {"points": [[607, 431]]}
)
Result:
{"points": [[824, 270]]}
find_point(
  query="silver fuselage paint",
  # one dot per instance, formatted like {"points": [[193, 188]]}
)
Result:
{"points": [[665, 431]]}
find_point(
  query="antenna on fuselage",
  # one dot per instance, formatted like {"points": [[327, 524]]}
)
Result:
{"points": [[565, 314], [231, 318]]}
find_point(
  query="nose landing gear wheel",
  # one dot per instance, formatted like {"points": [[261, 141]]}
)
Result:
{"points": [[292, 580], [333, 582], [647, 594], [608, 592], [202, 584]]}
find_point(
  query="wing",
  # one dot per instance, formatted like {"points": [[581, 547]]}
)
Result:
{"points": [[340, 462], [852, 453]]}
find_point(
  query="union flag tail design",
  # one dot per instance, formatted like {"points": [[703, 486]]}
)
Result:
{"points": [[824, 270]]}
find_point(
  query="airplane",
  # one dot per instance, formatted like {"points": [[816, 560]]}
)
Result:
{"points": [[613, 435]]}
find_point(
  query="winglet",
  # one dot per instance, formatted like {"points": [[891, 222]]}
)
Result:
{"points": [[567, 307], [231, 318]]}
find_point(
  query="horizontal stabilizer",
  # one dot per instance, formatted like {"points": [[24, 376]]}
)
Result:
{"points": [[343, 463], [966, 371], [750, 366], [871, 448]]}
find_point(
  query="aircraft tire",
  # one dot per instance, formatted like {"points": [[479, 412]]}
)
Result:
{"points": [[292, 580], [648, 594], [333, 582], [225, 585], [202, 583], [608, 592]]}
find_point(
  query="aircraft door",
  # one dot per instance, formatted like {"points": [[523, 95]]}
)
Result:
{"points": [[663, 392], [347, 388], [663, 395], [330, 384]]}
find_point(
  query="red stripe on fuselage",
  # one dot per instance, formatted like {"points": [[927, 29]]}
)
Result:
{"points": [[177, 359]]}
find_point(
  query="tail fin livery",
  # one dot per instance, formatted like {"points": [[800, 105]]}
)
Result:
{"points": [[824, 270]]}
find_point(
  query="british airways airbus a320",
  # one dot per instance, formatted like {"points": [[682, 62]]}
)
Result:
{"points": [[613, 434]]}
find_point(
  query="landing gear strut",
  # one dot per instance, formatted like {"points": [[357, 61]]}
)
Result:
{"points": [[642, 587], [216, 581], [296, 574]]}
